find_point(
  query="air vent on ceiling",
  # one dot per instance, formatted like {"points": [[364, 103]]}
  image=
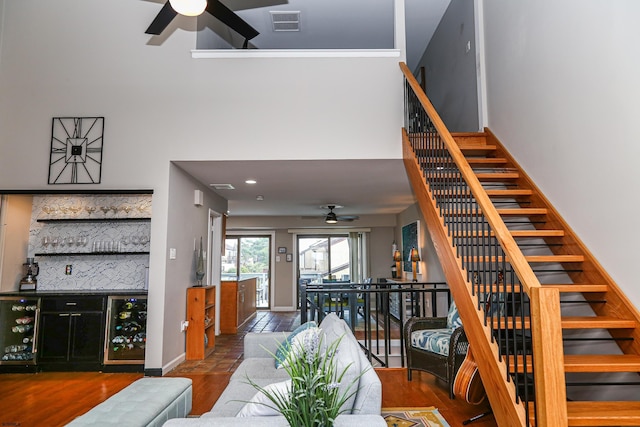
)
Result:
{"points": [[222, 186], [285, 20]]}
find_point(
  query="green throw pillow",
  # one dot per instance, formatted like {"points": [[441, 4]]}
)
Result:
{"points": [[283, 350]]}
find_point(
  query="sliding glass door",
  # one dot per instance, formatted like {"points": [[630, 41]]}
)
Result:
{"points": [[247, 257], [323, 258]]}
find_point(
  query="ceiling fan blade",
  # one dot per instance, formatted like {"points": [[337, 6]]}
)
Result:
{"points": [[348, 218], [230, 19], [162, 19]]}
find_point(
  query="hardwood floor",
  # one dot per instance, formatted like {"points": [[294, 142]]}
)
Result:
{"points": [[54, 399]]}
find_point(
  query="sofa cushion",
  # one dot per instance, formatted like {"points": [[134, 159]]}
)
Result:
{"points": [[260, 405], [259, 368], [432, 340], [283, 350], [347, 356], [235, 396]]}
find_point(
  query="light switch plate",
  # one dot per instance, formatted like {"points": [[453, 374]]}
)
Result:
{"points": [[172, 253]]}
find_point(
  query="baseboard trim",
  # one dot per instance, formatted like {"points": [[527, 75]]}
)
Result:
{"points": [[173, 363], [283, 309]]}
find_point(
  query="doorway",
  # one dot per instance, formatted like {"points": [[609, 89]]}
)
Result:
{"points": [[246, 257]]}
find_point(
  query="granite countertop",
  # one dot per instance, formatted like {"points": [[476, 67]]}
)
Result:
{"points": [[75, 292]]}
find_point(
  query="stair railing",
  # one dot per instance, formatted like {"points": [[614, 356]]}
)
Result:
{"points": [[512, 323]]}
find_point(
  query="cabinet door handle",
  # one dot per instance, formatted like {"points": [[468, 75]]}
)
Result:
{"points": [[63, 315], [71, 303], [76, 314]]}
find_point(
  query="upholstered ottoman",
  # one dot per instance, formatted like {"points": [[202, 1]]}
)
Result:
{"points": [[147, 402]]}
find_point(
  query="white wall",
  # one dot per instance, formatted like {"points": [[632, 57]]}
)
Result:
{"points": [[92, 58], [188, 223], [562, 95]]}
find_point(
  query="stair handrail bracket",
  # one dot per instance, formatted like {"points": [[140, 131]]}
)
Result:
{"points": [[490, 272]]}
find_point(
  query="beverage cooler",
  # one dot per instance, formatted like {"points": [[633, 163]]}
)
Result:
{"points": [[18, 328], [126, 330]]}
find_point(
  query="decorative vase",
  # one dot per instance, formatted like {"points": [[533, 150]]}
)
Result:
{"points": [[200, 270]]}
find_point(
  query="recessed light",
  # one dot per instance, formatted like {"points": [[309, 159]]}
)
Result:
{"points": [[250, 181]]}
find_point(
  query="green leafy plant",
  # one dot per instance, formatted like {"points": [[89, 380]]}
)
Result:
{"points": [[315, 397]]}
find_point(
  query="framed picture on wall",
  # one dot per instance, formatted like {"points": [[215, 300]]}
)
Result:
{"points": [[410, 233]]}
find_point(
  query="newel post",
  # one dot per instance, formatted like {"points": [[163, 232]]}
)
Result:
{"points": [[548, 357]]}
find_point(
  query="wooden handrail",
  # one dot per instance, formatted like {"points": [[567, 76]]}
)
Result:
{"points": [[522, 268], [545, 304]]}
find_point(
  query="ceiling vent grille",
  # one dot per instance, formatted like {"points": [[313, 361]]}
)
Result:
{"points": [[285, 21], [222, 186]]}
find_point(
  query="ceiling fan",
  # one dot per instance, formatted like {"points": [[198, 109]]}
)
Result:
{"points": [[332, 218], [214, 7]]}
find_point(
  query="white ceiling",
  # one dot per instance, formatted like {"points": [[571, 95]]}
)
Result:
{"points": [[300, 188]]}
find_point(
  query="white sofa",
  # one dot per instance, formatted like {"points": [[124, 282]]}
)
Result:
{"points": [[259, 365]]}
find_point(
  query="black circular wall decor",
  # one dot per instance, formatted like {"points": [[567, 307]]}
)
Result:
{"points": [[76, 150]]}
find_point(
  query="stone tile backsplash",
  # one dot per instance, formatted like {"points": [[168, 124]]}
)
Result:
{"points": [[91, 272]]}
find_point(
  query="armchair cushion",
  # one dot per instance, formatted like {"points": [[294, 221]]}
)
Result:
{"points": [[433, 340], [453, 317]]}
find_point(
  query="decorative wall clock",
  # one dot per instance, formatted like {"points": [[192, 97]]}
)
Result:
{"points": [[76, 150]]}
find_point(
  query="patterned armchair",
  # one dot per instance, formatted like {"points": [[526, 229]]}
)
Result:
{"points": [[437, 345]]}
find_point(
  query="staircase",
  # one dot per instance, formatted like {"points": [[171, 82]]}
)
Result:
{"points": [[564, 330]]}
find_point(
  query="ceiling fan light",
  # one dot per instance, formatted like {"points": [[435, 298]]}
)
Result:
{"points": [[189, 7], [331, 218]]}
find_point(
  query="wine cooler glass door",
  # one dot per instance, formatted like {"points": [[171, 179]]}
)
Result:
{"points": [[18, 327], [127, 330]]}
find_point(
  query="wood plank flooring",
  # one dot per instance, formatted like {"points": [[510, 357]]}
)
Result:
{"points": [[53, 399]]}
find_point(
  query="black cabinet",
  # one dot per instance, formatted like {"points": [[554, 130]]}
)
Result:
{"points": [[71, 333]]}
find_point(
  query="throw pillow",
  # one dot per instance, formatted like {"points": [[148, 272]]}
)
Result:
{"points": [[453, 317], [281, 353], [261, 406], [297, 345]]}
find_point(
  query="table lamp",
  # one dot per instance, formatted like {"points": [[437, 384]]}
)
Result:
{"points": [[415, 257], [397, 257]]}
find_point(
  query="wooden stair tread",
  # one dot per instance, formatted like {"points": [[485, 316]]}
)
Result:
{"points": [[522, 211], [597, 322], [537, 233], [582, 363], [519, 192], [470, 146], [509, 193], [601, 363], [530, 258], [577, 287], [515, 233], [497, 176], [482, 176], [502, 211], [562, 288], [568, 322], [476, 161], [602, 413]]}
